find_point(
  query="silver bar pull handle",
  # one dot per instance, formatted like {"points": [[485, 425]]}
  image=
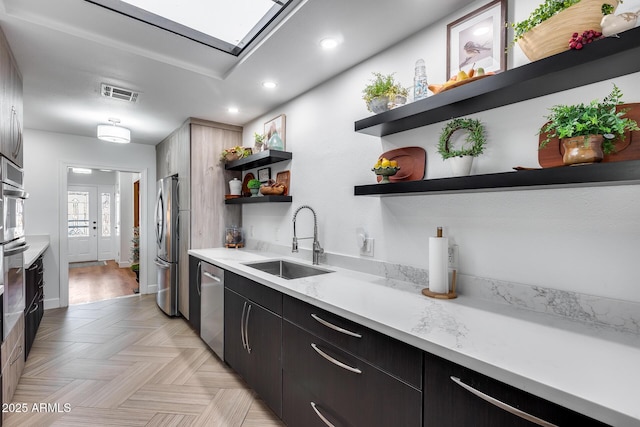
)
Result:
{"points": [[211, 276], [199, 278], [502, 405], [244, 343], [334, 327], [246, 329], [334, 361], [322, 417]]}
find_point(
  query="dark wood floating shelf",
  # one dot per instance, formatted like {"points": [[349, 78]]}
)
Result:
{"points": [[605, 59], [600, 174], [260, 159], [259, 199]]}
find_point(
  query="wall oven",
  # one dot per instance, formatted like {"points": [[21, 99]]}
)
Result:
{"points": [[12, 244]]}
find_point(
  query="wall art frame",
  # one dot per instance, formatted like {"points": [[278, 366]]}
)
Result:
{"points": [[479, 38]]}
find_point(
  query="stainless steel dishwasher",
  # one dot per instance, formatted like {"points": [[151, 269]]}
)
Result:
{"points": [[211, 287]]}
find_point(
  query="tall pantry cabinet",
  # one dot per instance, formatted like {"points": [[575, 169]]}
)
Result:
{"points": [[10, 104], [193, 152]]}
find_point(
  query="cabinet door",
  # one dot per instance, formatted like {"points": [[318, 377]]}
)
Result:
{"points": [[448, 404], [209, 184], [321, 380], [194, 293], [252, 347]]}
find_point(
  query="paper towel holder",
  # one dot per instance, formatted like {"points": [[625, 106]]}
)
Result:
{"points": [[449, 295]]}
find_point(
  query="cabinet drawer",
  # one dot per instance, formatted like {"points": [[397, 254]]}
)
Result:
{"points": [[448, 404], [386, 353], [345, 389], [256, 292]]}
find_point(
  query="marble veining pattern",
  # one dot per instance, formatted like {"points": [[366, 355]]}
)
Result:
{"points": [[620, 315], [544, 354]]}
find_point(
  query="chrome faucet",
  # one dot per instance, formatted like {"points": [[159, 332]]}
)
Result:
{"points": [[317, 249]]}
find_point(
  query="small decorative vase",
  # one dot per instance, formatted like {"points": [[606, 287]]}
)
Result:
{"points": [[254, 192], [379, 104], [582, 149], [461, 165], [385, 173], [235, 187]]}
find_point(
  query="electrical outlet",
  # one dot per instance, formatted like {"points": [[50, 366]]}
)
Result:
{"points": [[367, 248], [453, 256]]}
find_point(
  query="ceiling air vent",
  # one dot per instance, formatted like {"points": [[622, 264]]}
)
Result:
{"points": [[119, 93]]}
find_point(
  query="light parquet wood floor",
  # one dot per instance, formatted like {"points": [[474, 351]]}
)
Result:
{"points": [[122, 362], [100, 282]]}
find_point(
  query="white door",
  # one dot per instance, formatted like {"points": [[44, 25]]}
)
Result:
{"points": [[82, 224], [106, 225]]}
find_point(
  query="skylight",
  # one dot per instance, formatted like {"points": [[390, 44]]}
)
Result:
{"points": [[229, 26]]}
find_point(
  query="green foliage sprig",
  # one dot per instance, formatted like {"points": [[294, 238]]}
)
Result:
{"points": [[383, 85], [475, 136], [254, 183], [595, 118], [543, 12]]}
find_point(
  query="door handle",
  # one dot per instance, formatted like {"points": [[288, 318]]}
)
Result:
{"points": [[211, 276], [335, 361], [492, 400], [244, 308], [198, 278], [246, 329]]}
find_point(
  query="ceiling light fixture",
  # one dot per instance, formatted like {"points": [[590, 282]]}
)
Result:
{"points": [[269, 85], [114, 133], [232, 110], [81, 170], [328, 44]]}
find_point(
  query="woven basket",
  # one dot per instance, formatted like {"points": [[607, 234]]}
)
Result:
{"points": [[552, 36]]}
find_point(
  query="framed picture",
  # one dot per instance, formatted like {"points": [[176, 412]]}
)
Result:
{"points": [[478, 38], [274, 131], [264, 175]]}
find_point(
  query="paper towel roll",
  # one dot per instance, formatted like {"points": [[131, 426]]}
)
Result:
{"points": [[439, 265]]}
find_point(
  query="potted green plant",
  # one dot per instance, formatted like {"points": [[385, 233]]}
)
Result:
{"points": [[258, 140], [254, 186], [461, 159], [383, 93], [548, 29], [587, 131], [135, 253]]}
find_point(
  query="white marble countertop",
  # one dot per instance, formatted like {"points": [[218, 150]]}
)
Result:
{"points": [[37, 245], [592, 370]]}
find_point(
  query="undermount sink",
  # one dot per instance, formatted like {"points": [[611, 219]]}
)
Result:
{"points": [[287, 269]]}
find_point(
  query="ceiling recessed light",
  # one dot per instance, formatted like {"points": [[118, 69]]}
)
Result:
{"points": [[232, 110], [328, 44], [81, 170], [269, 84]]}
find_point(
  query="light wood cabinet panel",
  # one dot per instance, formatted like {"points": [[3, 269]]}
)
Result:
{"points": [[192, 152], [209, 184], [12, 360]]}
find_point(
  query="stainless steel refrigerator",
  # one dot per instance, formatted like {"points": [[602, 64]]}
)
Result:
{"points": [[167, 241]]}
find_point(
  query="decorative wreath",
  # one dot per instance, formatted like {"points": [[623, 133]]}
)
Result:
{"points": [[475, 135]]}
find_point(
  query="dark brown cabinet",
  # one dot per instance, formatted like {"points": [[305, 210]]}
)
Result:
{"points": [[34, 298], [455, 396], [253, 336], [195, 295], [336, 372]]}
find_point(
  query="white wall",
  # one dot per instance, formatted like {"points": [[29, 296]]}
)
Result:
{"points": [[584, 240], [46, 156], [125, 182]]}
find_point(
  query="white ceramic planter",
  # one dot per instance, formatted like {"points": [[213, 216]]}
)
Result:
{"points": [[461, 166], [235, 187]]}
